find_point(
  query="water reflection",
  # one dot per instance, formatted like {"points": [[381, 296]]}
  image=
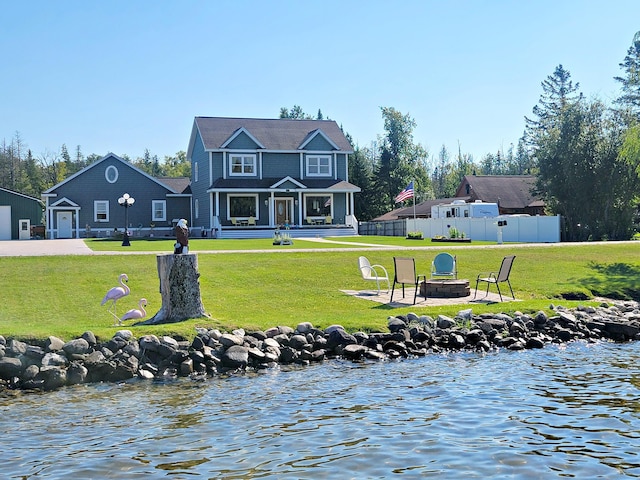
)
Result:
{"points": [[557, 413]]}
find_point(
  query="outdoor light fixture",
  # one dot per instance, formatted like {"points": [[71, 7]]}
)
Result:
{"points": [[126, 201], [266, 203]]}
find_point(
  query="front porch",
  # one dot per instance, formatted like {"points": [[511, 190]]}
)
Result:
{"points": [[263, 231]]}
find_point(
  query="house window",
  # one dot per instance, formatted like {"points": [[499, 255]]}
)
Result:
{"points": [[319, 165], [243, 164], [195, 171], [242, 206], [101, 210], [196, 208], [317, 205], [111, 174], [158, 210]]}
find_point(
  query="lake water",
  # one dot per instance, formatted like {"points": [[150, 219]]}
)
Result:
{"points": [[559, 412]]}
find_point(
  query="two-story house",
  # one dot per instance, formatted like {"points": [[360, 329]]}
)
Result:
{"points": [[255, 175]]}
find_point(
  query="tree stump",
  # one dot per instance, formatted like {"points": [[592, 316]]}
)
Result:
{"points": [[179, 288]]}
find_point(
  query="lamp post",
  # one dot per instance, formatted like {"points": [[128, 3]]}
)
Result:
{"points": [[126, 201]]}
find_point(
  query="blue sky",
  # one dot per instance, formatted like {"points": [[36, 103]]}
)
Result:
{"points": [[122, 76]]}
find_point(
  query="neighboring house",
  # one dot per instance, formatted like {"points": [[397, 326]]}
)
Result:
{"points": [[87, 201], [261, 174], [18, 213], [512, 193]]}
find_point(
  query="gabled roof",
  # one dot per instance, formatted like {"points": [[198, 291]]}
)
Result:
{"points": [[281, 134], [18, 194], [508, 191], [98, 162]]}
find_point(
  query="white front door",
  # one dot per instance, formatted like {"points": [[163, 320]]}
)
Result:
{"points": [[5, 222], [25, 229], [64, 224]]}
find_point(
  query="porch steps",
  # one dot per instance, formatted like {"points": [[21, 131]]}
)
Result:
{"points": [[257, 232]]}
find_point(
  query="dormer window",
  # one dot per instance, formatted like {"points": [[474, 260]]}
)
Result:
{"points": [[242, 164], [318, 165]]}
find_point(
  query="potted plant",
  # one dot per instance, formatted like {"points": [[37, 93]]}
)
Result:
{"points": [[414, 236]]}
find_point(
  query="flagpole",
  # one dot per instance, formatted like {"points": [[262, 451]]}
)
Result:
{"points": [[414, 207]]}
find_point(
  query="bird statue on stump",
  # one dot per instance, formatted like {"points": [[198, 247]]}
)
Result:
{"points": [[182, 237]]}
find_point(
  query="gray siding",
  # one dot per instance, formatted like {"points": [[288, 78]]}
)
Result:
{"points": [[92, 185], [199, 188], [342, 166], [278, 165], [319, 144], [242, 142]]}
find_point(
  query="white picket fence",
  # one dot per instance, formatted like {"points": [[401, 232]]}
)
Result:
{"points": [[538, 229]]}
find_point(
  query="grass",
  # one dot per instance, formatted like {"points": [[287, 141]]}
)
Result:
{"points": [[61, 295]]}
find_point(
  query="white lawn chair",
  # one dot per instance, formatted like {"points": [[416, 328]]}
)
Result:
{"points": [[375, 273]]}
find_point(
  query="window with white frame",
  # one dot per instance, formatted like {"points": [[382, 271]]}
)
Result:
{"points": [[101, 210], [318, 165], [242, 206], [242, 164], [196, 208], [195, 171], [158, 210], [317, 205]]}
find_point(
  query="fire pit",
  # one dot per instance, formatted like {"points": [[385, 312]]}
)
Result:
{"points": [[445, 288]]}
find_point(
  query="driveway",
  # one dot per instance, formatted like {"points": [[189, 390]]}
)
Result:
{"points": [[34, 248]]}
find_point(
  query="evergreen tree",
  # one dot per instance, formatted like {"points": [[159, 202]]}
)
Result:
{"points": [[629, 100]]}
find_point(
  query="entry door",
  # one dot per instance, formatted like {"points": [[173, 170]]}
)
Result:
{"points": [[284, 211], [64, 224], [25, 229]]}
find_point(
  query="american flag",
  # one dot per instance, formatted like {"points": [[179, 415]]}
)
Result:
{"points": [[404, 194]]}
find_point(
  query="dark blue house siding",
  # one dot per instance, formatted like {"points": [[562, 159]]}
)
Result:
{"points": [[280, 165], [199, 188]]}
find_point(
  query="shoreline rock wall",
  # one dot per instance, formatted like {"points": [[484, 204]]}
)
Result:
{"points": [[54, 363]]}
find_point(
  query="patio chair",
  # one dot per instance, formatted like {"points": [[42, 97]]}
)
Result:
{"points": [[444, 265], [327, 220], [251, 221], [406, 274], [234, 222], [376, 273], [498, 278]]}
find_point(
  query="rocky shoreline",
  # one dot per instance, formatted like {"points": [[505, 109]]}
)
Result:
{"points": [[54, 363]]}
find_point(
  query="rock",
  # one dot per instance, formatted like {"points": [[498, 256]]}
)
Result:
{"points": [[78, 346], [10, 367], [236, 356], [53, 344], [445, 322]]}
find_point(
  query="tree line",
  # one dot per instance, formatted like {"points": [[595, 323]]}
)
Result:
{"points": [[584, 153], [29, 174]]}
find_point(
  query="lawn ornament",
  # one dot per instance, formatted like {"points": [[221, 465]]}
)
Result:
{"points": [[139, 312], [116, 293]]}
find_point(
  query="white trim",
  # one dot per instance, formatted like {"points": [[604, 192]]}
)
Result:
{"points": [[243, 195], [237, 133], [313, 135], [162, 218], [95, 211], [243, 157], [108, 177], [319, 173], [66, 201], [196, 172], [287, 179]]}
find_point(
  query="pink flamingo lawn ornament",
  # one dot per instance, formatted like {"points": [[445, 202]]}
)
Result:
{"points": [[139, 312], [116, 293]]}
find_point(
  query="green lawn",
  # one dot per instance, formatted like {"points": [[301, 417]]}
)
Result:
{"points": [[61, 295]]}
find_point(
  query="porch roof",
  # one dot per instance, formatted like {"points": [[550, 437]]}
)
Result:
{"points": [[294, 185]]}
